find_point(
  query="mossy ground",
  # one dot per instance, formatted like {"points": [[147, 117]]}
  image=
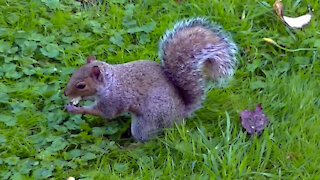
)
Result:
{"points": [[42, 42]]}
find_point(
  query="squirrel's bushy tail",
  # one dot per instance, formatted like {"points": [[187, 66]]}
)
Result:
{"points": [[194, 51]]}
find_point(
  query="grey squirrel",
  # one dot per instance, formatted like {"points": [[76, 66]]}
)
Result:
{"points": [[156, 95]]}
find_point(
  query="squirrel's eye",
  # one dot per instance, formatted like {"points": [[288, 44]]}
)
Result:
{"points": [[81, 85]]}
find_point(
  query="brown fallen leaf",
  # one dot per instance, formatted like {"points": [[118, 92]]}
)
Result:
{"points": [[278, 9], [254, 121]]}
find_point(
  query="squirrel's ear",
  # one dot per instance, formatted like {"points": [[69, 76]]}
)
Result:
{"points": [[90, 59], [96, 73]]}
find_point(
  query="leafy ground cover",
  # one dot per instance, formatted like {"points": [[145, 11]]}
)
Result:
{"points": [[42, 42]]}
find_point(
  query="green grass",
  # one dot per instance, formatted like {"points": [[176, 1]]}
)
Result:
{"points": [[42, 42]]}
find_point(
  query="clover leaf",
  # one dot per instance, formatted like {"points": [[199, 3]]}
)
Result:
{"points": [[117, 39], [51, 50]]}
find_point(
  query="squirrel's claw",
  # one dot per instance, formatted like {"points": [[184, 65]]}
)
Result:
{"points": [[73, 109]]}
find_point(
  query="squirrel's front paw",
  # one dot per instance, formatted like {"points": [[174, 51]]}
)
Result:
{"points": [[73, 109]]}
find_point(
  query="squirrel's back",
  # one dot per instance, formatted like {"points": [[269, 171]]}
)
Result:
{"points": [[194, 51]]}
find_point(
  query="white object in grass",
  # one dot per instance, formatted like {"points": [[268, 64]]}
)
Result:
{"points": [[297, 22]]}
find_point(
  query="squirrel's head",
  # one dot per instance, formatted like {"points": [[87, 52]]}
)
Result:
{"points": [[84, 81]]}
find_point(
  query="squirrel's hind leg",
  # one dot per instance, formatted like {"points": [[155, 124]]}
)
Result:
{"points": [[145, 127], [161, 109], [150, 124]]}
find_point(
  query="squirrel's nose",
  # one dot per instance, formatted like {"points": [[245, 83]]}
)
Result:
{"points": [[64, 92]]}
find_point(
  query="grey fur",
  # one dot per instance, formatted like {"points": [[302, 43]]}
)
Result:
{"points": [[158, 95], [197, 21], [215, 52]]}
